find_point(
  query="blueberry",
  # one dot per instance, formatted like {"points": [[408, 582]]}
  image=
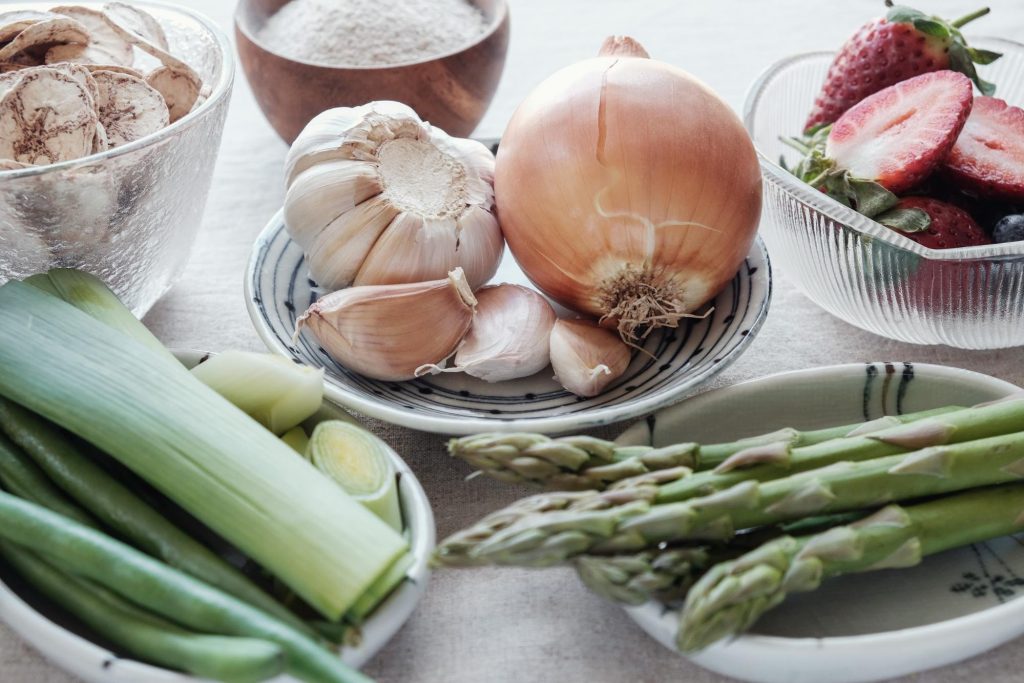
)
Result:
{"points": [[1009, 229]]}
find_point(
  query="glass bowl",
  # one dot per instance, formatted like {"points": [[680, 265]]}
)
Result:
{"points": [[860, 271], [130, 214]]}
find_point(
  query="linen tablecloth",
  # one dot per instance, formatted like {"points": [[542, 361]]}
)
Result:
{"points": [[499, 625]]}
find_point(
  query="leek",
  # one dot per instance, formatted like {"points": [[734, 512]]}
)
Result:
{"points": [[276, 392], [190, 443], [296, 438], [361, 464], [90, 295]]}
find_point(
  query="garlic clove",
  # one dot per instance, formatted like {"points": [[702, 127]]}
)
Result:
{"points": [[410, 249], [586, 357], [387, 332], [480, 245], [323, 193], [510, 334], [337, 253]]}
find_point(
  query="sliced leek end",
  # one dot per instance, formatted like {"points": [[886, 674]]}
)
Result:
{"points": [[298, 440], [359, 462], [274, 391]]}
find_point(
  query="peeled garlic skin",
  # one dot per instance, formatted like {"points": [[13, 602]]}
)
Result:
{"points": [[388, 331], [377, 196], [586, 357], [510, 335], [620, 171]]}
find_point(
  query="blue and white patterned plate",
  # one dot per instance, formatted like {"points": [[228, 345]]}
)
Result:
{"points": [[278, 290], [860, 627]]}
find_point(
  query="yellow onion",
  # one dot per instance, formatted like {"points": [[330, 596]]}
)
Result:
{"points": [[627, 190]]}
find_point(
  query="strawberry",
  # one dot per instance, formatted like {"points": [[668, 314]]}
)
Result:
{"points": [[889, 142], [948, 226], [885, 51], [988, 157]]}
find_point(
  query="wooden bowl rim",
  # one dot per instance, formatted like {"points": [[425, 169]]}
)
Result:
{"points": [[501, 19]]}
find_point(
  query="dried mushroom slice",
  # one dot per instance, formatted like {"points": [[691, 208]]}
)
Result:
{"points": [[128, 108], [37, 38], [105, 45], [138, 22], [47, 117], [131, 71], [100, 143], [13, 23], [75, 71], [7, 67], [12, 165], [7, 81], [180, 89]]}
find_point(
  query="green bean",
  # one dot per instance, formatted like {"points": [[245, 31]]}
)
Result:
{"points": [[144, 635], [162, 589], [66, 463], [23, 478]]}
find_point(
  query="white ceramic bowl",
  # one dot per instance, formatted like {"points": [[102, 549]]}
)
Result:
{"points": [[678, 361], [68, 645], [864, 627]]}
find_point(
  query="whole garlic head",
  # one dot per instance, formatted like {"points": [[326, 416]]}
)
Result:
{"points": [[377, 196]]}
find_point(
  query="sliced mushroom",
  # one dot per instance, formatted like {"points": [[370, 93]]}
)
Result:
{"points": [[37, 38], [105, 45], [128, 108], [12, 165], [45, 118], [179, 88], [138, 22], [76, 71], [13, 23], [100, 143], [131, 71]]}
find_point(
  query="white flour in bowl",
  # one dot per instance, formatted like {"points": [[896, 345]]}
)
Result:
{"points": [[371, 32]]}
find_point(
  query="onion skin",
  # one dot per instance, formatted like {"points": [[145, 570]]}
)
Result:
{"points": [[664, 159]]}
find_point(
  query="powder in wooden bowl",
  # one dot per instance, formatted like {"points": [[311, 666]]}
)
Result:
{"points": [[371, 32]]}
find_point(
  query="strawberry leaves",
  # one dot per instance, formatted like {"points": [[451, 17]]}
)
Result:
{"points": [[962, 57], [819, 171]]}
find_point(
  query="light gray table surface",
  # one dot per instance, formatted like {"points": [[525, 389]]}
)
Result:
{"points": [[494, 625]]}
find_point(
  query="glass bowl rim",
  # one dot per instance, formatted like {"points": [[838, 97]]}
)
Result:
{"points": [[844, 215], [217, 94]]}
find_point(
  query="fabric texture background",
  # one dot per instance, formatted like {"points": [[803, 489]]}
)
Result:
{"points": [[499, 625]]}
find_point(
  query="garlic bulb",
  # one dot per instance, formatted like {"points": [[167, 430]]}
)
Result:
{"points": [[377, 196], [509, 337], [586, 357], [388, 331]]}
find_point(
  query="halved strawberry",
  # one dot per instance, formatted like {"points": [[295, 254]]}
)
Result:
{"points": [[949, 226], [988, 157], [899, 135], [885, 51]]}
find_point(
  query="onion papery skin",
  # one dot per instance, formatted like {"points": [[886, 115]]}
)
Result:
{"points": [[621, 175]]}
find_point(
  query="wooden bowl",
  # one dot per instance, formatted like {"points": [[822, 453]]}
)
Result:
{"points": [[451, 91]]}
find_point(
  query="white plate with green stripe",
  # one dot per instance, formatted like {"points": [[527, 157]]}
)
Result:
{"points": [[863, 627], [72, 647]]}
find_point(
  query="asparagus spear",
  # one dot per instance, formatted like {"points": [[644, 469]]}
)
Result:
{"points": [[583, 462], [666, 574], [638, 524], [733, 595], [678, 484], [634, 579]]}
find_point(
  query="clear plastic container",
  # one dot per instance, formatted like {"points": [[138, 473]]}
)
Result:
{"points": [[860, 271], [130, 215]]}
